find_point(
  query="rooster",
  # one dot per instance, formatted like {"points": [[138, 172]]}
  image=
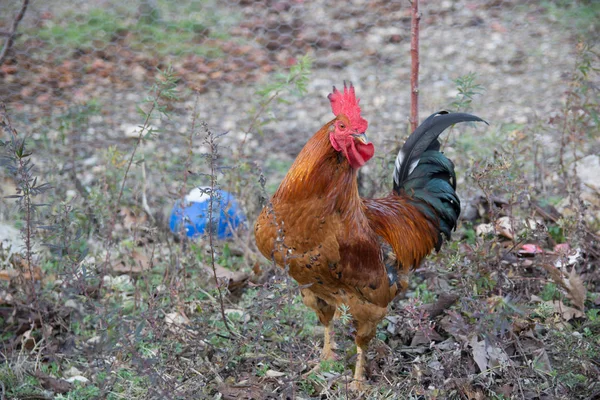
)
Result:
{"points": [[346, 250]]}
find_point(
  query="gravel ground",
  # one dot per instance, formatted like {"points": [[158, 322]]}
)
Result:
{"points": [[520, 54]]}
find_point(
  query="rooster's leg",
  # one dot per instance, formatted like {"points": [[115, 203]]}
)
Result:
{"points": [[365, 330], [329, 345], [359, 370], [325, 312]]}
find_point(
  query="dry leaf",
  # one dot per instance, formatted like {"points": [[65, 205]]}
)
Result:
{"points": [[530, 250], [20, 264], [27, 340], [484, 229], [241, 391], [497, 357], [5, 297], [488, 356], [573, 284], [132, 219], [137, 263], [541, 361], [8, 274], [562, 248], [566, 312], [504, 227], [576, 290], [50, 383], [232, 279], [421, 338], [274, 374], [256, 269], [78, 378], [479, 353], [176, 319]]}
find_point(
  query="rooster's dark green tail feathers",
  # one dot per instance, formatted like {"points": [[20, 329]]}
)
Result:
{"points": [[426, 175]]}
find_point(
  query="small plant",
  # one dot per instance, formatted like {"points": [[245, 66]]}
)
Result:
{"points": [[544, 310], [468, 88], [17, 161], [262, 369], [550, 292], [332, 366], [344, 314], [423, 294], [293, 82]]}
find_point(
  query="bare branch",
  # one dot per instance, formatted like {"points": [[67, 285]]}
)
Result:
{"points": [[10, 35]]}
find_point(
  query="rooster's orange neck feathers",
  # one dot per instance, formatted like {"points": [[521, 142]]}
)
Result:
{"points": [[319, 169]]}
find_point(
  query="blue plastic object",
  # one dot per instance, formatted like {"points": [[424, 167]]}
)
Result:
{"points": [[190, 215]]}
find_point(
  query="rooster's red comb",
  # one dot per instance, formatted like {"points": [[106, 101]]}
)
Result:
{"points": [[346, 103]]}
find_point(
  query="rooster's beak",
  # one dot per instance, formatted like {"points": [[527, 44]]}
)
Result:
{"points": [[361, 137]]}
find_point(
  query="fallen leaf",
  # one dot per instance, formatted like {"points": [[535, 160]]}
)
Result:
{"points": [[78, 378], [241, 391], [27, 340], [566, 312], [20, 264], [498, 27], [530, 250], [5, 297], [231, 279], [572, 283], [256, 269], [541, 361], [176, 319], [484, 229], [8, 274], [506, 390], [53, 384], [562, 248], [479, 353], [504, 227], [497, 357], [274, 374], [132, 219], [73, 371], [137, 263], [576, 290], [421, 338]]}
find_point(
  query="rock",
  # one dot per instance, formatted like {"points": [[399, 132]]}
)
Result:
{"points": [[79, 378], [484, 229], [71, 372], [588, 173], [74, 305]]}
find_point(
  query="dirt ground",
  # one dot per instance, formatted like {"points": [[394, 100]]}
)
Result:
{"points": [[115, 307]]}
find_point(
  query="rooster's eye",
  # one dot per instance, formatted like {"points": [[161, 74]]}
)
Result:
{"points": [[342, 126]]}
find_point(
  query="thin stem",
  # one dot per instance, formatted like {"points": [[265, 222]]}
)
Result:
{"points": [[414, 74], [113, 220], [210, 140]]}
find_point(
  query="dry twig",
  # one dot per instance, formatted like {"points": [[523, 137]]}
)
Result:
{"points": [[11, 34]]}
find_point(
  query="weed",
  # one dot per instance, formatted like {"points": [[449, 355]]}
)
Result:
{"points": [[468, 88], [17, 161]]}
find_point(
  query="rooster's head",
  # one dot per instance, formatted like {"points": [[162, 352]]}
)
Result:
{"points": [[347, 132]]}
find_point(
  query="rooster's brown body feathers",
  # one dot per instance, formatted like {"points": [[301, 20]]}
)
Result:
{"points": [[343, 249]]}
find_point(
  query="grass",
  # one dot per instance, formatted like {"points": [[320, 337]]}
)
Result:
{"points": [[197, 32], [582, 15]]}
